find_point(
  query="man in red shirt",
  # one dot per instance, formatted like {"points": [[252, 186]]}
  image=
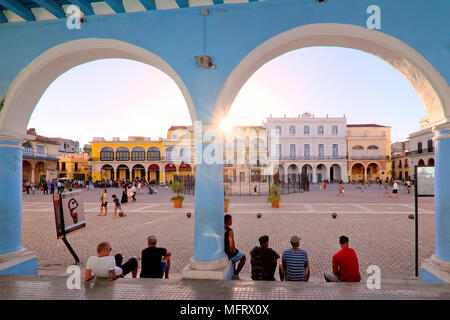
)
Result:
{"points": [[345, 265]]}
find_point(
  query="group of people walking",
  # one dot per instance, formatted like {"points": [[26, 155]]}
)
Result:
{"points": [[294, 264]]}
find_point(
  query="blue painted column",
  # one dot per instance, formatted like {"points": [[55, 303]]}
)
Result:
{"points": [[442, 194], [10, 196], [437, 268], [14, 259], [209, 201]]}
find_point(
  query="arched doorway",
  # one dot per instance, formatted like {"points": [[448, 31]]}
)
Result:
{"points": [[372, 171], [27, 172], [321, 173], [278, 174], [153, 173], [309, 171], [123, 172], [431, 162], [357, 171], [335, 173], [107, 172], [39, 172], [184, 170], [170, 170], [293, 174], [421, 162], [138, 171]]}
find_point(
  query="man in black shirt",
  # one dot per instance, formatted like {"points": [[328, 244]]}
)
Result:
{"points": [[263, 260], [155, 261]]}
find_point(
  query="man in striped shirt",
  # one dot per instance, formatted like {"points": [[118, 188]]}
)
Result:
{"points": [[294, 263]]}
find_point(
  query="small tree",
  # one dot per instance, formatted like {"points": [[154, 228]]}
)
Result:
{"points": [[274, 194], [177, 187]]}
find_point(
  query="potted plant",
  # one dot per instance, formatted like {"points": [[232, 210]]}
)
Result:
{"points": [[274, 197], [177, 187], [225, 200]]}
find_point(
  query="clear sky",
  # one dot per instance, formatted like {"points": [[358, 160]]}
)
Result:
{"points": [[121, 98]]}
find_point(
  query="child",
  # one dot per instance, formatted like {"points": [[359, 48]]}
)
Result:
{"points": [[117, 206]]}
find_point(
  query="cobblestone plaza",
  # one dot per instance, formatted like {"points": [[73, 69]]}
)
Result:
{"points": [[378, 227]]}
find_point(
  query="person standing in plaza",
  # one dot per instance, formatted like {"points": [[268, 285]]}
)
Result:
{"points": [[325, 185], [294, 262], [124, 196], [133, 191], [129, 194], [155, 261], [117, 207], [52, 187], [345, 264], [341, 189], [263, 260], [395, 190], [103, 203], [230, 249], [45, 185]]}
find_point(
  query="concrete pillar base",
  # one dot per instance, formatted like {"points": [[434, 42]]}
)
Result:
{"points": [[435, 270], [20, 262], [221, 269]]}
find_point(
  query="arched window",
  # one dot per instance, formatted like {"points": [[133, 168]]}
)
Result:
{"points": [[171, 153], [406, 163], [138, 154], [153, 154], [106, 154], [122, 154], [357, 151]]}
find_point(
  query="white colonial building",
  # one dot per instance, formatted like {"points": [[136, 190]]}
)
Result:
{"points": [[317, 145], [421, 145]]}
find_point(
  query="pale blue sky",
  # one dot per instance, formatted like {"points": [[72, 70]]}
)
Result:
{"points": [[121, 98]]}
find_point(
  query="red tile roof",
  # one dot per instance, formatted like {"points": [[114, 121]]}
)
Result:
{"points": [[177, 127], [42, 138], [366, 125]]}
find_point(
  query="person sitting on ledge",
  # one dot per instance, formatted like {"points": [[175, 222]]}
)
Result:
{"points": [[263, 260], [345, 264], [155, 261], [234, 254], [104, 265], [294, 262]]}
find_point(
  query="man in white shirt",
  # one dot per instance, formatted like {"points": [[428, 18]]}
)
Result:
{"points": [[103, 265], [133, 194]]}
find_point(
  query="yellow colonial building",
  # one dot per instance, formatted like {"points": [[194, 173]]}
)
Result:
{"points": [[369, 150], [74, 166], [158, 160]]}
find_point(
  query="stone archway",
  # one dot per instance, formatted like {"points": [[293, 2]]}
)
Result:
{"points": [[27, 88]]}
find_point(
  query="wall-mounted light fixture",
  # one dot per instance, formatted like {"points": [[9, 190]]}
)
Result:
{"points": [[204, 62]]}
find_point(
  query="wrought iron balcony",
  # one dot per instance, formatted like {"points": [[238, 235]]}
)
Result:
{"points": [[303, 158], [424, 151], [368, 157]]}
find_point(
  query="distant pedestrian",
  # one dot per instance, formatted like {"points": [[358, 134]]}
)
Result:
{"points": [[117, 207], [45, 185], [341, 189], [325, 185], [134, 191], [395, 190], [103, 203], [129, 194], [124, 196], [52, 187]]}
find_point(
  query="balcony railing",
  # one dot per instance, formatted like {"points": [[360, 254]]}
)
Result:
{"points": [[366, 157], [309, 158], [28, 154], [424, 151]]}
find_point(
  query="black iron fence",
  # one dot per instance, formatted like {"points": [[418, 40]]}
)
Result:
{"points": [[251, 185]]}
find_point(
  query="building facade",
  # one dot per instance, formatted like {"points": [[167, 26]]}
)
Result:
{"points": [[401, 164], [316, 145], [74, 166], [68, 146], [40, 158], [421, 144], [143, 158], [245, 152], [369, 150]]}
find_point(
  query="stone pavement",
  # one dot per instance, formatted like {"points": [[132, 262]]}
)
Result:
{"points": [[378, 228], [52, 288]]}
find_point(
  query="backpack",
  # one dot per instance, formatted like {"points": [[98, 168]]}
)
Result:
{"points": [[258, 269]]}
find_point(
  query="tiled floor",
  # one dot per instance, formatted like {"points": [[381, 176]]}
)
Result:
{"points": [[45, 288]]}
